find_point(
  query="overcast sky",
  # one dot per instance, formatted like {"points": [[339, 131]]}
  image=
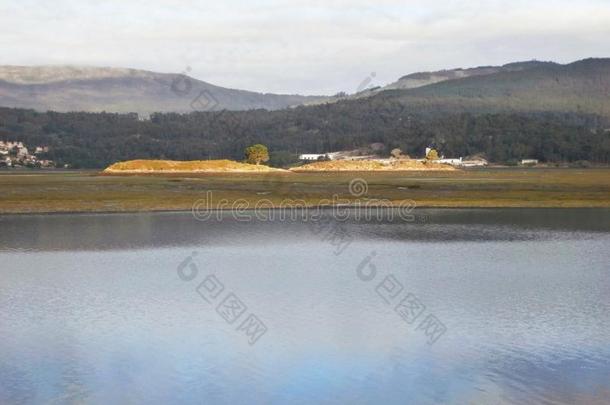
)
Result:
{"points": [[299, 46]]}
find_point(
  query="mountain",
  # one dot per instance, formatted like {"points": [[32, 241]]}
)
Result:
{"points": [[95, 89], [582, 86], [421, 79]]}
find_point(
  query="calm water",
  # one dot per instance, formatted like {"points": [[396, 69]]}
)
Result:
{"points": [[458, 307]]}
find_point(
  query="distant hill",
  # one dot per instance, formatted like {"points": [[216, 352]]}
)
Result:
{"points": [[533, 86], [95, 89], [421, 79], [582, 86]]}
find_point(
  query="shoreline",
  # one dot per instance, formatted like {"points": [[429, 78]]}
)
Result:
{"points": [[312, 207]]}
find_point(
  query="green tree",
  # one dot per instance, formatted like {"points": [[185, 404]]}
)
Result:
{"points": [[283, 158], [257, 154]]}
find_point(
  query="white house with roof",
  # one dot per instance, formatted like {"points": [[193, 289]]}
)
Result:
{"points": [[312, 156]]}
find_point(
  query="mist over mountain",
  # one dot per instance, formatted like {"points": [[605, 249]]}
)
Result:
{"points": [[96, 89]]}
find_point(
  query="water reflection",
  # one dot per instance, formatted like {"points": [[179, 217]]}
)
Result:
{"points": [[131, 231], [95, 311]]}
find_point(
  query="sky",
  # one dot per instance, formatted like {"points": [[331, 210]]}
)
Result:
{"points": [[298, 46]]}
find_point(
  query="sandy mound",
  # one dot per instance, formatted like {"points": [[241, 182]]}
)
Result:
{"points": [[193, 166], [371, 165]]}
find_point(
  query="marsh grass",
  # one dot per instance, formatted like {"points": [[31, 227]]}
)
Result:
{"points": [[85, 191]]}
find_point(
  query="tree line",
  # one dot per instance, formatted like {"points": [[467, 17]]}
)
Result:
{"points": [[95, 140]]}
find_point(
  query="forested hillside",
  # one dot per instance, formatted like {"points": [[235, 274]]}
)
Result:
{"points": [[96, 140], [582, 87]]}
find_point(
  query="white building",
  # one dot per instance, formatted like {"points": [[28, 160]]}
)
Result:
{"points": [[311, 156], [474, 163], [22, 152], [454, 162], [529, 161], [10, 145]]}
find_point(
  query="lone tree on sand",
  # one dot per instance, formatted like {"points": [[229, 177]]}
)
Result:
{"points": [[257, 153], [396, 153]]}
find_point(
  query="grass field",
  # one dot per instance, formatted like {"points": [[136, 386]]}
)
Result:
{"points": [[86, 191]]}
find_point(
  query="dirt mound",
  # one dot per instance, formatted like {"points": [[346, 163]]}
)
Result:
{"points": [[371, 165], [192, 166]]}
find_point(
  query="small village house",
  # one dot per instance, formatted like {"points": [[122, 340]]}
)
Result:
{"points": [[312, 156]]}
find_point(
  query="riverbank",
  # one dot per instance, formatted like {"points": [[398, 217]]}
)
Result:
{"points": [[49, 191]]}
